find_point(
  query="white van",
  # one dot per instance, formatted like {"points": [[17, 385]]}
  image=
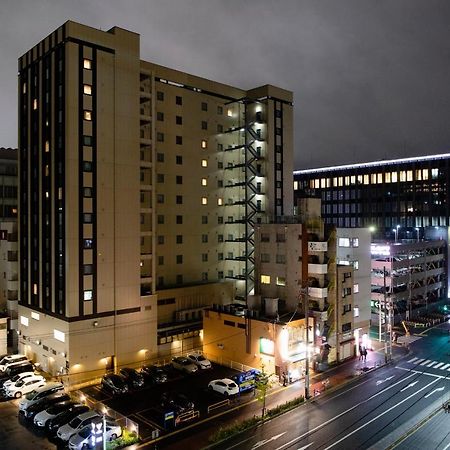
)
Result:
{"points": [[37, 394], [11, 359]]}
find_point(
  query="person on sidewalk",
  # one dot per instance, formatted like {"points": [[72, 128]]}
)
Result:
{"points": [[364, 354], [360, 352], [284, 379]]}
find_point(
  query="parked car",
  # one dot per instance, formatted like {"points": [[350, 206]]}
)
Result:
{"points": [[25, 386], [38, 393], [14, 369], [44, 403], [41, 419], [16, 378], [83, 439], [77, 424], [132, 377], [154, 374], [175, 401], [225, 386], [61, 419], [184, 364], [11, 359], [114, 383], [199, 360]]}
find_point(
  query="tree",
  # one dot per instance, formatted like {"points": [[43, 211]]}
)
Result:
{"points": [[262, 385]]}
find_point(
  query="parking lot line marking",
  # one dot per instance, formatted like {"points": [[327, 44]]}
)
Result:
{"points": [[419, 361], [432, 363], [413, 359], [438, 365], [445, 366], [147, 421], [425, 362]]}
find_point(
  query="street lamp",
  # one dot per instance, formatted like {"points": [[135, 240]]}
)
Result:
{"points": [[395, 230]]}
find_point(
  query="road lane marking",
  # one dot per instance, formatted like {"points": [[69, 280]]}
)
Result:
{"points": [[425, 362], [266, 441], [445, 366], [413, 359], [306, 446], [438, 365], [409, 386], [432, 363], [435, 390], [380, 415], [419, 361], [384, 381], [324, 424], [435, 375]]}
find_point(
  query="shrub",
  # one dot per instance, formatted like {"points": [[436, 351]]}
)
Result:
{"points": [[127, 438]]}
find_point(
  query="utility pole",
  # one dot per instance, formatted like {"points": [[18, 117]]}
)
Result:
{"points": [[306, 307]]}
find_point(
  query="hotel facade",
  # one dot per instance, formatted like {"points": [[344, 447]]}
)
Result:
{"points": [[139, 190]]}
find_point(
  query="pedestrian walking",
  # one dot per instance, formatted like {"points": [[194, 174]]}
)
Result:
{"points": [[365, 354], [360, 352], [284, 379]]}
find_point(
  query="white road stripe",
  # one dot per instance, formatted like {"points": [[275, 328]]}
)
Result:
{"points": [[432, 363], [425, 362], [420, 360], [437, 365], [380, 415], [413, 359], [435, 375], [445, 366], [324, 424]]}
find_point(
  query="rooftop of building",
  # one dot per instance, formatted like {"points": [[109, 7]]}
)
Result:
{"points": [[383, 162], [8, 153]]}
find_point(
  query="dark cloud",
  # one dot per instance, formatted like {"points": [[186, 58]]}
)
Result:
{"points": [[370, 78]]}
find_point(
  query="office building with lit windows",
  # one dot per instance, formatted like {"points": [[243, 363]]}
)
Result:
{"points": [[139, 190], [409, 192]]}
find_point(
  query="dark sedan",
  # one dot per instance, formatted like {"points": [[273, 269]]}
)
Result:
{"points": [[177, 402], [65, 417], [132, 377], [154, 374], [116, 384]]}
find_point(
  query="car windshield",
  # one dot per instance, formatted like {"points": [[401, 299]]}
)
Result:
{"points": [[231, 385], [201, 358], [85, 432], [20, 383], [15, 378], [31, 395], [75, 422], [4, 360]]}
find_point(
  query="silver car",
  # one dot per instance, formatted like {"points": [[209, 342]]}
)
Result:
{"points": [[77, 424], [86, 438], [184, 364]]}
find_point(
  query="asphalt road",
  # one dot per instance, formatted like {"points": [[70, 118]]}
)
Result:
{"points": [[373, 412]]}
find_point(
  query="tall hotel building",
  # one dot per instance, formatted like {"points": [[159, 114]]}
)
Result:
{"points": [[409, 192], [139, 189]]}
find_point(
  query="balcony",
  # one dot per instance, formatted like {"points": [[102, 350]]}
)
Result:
{"points": [[321, 269], [318, 292], [146, 278], [315, 246]]}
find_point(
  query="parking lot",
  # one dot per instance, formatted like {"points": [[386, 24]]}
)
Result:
{"points": [[143, 405]]}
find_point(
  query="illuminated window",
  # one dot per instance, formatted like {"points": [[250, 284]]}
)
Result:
{"points": [[344, 242], [35, 289], [204, 201], [35, 103], [328, 182], [387, 177], [434, 173], [394, 177], [266, 346], [87, 295], [355, 288], [322, 183], [295, 185], [317, 184], [35, 315], [425, 174], [335, 183], [311, 184], [347, 181], [355, 242], [402, 176], [204, 182], [281, 281], [419, 175], [24, 320], [87, 89], [87, 115], [87, 64], [204, 143], [352, 179], [59, 335], [366, 179], [24, 88], [340, 181], [356, 311], [204, 163], [409, 175], [265, 279], [373, 178], [220, 201], [47, 146], [230, 113], [379, 178], [360, 179]]}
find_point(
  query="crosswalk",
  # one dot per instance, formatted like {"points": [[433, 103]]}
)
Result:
{"points": [[430, 364]]}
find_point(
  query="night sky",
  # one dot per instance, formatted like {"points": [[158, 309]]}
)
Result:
{"points": [[371, 78]]}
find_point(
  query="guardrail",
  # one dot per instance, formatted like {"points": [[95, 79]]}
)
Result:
{"points": [[218, 405]]}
